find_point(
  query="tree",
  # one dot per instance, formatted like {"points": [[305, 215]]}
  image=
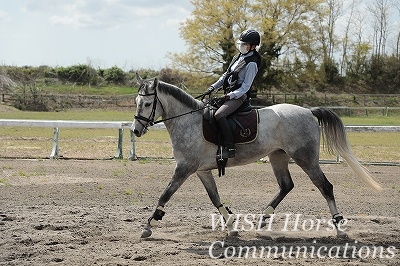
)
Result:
{"points": [[380, 13], [346, 37], [397, 47], [283, 24], [358, 61], [209, 34], [211, 30], [172, 76], [327, 18], [300, 42]]}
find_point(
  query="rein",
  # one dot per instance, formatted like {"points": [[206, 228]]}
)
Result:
{"points": [[173, 117], [150, 120]]}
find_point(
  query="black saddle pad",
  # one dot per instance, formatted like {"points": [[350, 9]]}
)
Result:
{"points": [[248, 121]]}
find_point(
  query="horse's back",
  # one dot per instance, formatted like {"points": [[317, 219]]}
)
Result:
{"points": [[285, 109], [287, 114], [289, 123]]}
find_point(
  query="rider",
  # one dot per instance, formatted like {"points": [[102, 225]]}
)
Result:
{"points": [[236, 83]]}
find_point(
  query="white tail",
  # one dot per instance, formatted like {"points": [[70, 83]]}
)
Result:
{"points": [[334, 136]]}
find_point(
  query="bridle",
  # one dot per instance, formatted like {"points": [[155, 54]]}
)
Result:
{"points": [[149, 121]]}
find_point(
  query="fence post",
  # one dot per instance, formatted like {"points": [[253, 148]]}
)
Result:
{"points": [[54, 151], [132, 152], [338, 158], [118, 154]]}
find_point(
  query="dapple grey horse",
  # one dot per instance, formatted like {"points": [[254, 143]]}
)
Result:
{"points": [[285, 131]]}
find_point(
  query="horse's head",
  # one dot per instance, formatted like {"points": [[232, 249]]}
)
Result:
{"points": [[147, 109]]}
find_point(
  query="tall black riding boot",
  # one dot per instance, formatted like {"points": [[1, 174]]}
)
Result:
{"points": [[228, 150]]}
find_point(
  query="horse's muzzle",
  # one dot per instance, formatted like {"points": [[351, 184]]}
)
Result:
{"points": [[136, 132]]}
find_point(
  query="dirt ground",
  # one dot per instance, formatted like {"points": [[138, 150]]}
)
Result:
{"points": [[90, 212]]}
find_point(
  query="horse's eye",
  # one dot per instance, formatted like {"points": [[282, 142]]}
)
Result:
{"points": [[147, 104]]}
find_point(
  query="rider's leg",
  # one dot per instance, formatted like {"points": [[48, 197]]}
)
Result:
{"points": [[228, 140], [220, 116]]}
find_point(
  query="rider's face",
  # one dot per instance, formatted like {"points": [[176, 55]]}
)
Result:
{"points": [[244, 48]]}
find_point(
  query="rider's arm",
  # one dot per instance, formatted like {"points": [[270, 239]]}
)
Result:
{"points": [[220, 81]]}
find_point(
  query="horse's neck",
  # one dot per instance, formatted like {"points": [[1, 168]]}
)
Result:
{"points": [[177, 113], [173, 106]]}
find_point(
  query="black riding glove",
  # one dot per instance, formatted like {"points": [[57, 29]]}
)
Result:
{"points": [[209, 90], [223, 99]]}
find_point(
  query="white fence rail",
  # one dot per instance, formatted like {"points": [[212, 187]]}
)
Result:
{"points": [[57, 124], [121, 125]]}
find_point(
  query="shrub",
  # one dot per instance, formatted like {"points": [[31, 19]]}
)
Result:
{"points": [[79, 74], [29, 98], [114, 75]]}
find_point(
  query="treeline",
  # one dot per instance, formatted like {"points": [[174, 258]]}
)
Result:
{"points": [[322, 45], [83, 74], [25, 85], [375, 76]]}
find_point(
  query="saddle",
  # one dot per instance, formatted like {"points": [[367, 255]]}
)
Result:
{"points": [[243, 123]]}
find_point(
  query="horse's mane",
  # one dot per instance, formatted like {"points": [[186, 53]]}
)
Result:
{"points": [[179, 94]]}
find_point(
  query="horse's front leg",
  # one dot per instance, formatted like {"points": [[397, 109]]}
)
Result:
{"points": [[211, 187], [181, 173]]}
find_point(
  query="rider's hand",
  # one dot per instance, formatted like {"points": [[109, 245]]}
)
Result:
{"points": [[223, 99], [209, 90]]}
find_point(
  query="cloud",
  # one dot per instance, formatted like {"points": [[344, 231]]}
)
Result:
{"points": [[109, 32], [108, 14], [4, 15], [77, 20]]}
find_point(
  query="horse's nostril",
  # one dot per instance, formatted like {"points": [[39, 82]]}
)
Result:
{"points": [[136, 132]]}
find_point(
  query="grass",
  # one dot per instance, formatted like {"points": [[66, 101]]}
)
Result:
{"points": [[100, 115], [115, 115], [372, 120], [373, 146], [88, 90]]}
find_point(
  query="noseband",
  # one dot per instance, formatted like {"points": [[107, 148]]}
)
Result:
{"points": [[150, 120]]}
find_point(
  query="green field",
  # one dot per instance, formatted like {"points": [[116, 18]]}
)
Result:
{"points": [[102, 143], [127, 115], [88, 90], [372, 120]]}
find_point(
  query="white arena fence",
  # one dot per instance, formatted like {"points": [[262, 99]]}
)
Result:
{"points": [[121, 125]]}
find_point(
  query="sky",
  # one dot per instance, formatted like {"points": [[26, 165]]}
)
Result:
{"points": [[130, 34]]}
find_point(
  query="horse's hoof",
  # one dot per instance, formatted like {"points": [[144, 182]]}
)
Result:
{"points": [[341, 234], [146, 233], [233, 232], [262, 224]]}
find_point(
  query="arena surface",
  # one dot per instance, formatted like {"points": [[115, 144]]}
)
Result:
{"points": [[90, 212]]}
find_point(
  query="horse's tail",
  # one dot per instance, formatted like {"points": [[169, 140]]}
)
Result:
{"points": [[335, 139]]}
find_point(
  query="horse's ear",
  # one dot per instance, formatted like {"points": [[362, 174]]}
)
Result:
{"points": [[139, 79], [155, 83]]}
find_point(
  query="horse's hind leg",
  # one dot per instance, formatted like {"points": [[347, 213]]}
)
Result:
{"points": [[313, 170], [279, 161]]}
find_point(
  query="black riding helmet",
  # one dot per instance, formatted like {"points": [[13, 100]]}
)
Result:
{"points": [[250, 36]]}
